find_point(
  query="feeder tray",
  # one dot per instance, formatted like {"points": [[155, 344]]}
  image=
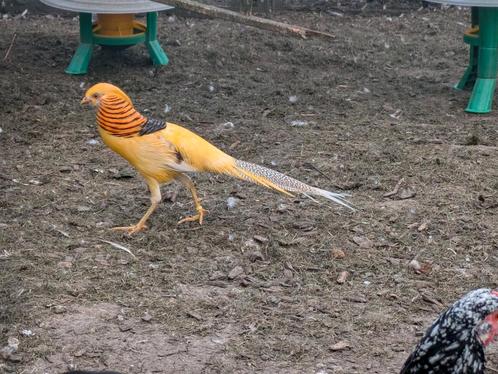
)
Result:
{"points": [[115, 27]]}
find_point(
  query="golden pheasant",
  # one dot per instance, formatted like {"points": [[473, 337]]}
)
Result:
{"points": [[162, 152]]}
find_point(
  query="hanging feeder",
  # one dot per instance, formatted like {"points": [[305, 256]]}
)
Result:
{"points": [[115, 26]]}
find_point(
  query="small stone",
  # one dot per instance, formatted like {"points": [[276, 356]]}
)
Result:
{"points": [[83, 208], [255, 256], [226, 126], [235, 272], [415, 265], [26, 332], [146, 317], [281, 208], [92, 141], [122, 173], [293, 99], [251, 243], [59, 309], [343, 276], [13, 343], [337, 253], [232, 202], [6, 352]]}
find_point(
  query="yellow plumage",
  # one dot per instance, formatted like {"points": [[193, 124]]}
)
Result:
{"points": [[163, 151]]}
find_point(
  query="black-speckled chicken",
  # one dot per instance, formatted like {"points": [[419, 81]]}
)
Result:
{"points": [[455, 342]]}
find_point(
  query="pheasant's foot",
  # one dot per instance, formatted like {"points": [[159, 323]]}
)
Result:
{"points": [[130, 230], [198, 217]]}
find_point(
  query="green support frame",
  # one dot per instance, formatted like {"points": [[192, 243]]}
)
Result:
{"points": [[483, 63], [81, 59], [470, 74]]}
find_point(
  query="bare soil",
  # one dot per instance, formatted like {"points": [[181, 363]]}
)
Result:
{"points": [[376, 105]]}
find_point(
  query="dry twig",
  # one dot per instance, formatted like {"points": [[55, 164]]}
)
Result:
{"points": [[262, 23], [10, 47], [396, 188]]}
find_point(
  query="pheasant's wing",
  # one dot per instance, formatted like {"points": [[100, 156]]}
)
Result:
{"points": [[193, 153], [155, 154]]}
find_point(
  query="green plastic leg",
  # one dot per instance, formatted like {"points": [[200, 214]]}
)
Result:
{"points": [[482, 95], [156, 52], [81, 59], [470, 74]]}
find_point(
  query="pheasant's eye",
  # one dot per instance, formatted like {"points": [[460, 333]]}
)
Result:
{"points": [[95, 95]]}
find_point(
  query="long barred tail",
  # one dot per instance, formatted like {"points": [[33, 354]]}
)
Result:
{"points": [[281, 182]]}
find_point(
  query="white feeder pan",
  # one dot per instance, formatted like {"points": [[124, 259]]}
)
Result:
{"points": [[107, 7]]}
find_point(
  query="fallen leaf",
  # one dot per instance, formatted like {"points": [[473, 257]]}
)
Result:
{"points": [[362, 242], [235, 272], [407, 193], [337, 253], [423, 226], [341, 279]]}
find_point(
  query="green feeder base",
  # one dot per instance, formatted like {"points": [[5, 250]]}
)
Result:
{"points": [[481, 99], [483, 60], [88, 38]]}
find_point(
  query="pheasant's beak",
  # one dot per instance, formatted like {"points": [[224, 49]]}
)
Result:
{"points": [[85, 100]]}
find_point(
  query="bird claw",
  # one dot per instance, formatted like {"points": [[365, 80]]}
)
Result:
{"points": [[130, 230], [198, 217]]}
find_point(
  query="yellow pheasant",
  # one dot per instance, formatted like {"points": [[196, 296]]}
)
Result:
{"points": [[163, 151]]}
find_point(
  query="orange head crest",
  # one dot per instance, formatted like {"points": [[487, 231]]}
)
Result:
{"points": [[99, 90]]}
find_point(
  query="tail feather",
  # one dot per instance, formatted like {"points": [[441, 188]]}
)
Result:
{"points": [[281, 182]]}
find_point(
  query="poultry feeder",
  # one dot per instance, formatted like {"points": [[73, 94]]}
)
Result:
{"points": [[482, 37], [115, 26]]}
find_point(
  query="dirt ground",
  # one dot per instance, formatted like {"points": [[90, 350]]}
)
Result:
{"points": [[254, 289]]}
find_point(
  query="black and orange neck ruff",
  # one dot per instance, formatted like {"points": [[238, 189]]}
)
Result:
{"points": [[118, 117]]}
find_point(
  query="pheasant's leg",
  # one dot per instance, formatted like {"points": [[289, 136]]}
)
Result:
{"points": [[187, 182], [155, 199]]}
